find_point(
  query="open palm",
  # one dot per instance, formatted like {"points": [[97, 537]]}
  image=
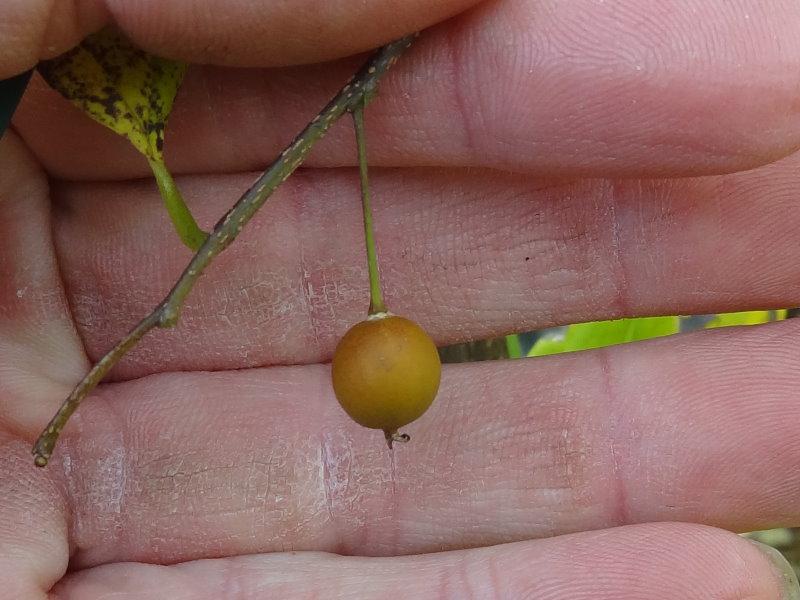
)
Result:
{"points": [[535, 162]]}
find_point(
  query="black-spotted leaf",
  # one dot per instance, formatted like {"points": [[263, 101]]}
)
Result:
{"points": [[130, 92], [119, 85]]}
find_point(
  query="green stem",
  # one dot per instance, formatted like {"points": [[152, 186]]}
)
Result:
{"points": [[376, 304], [185, 225], [166, 314]]}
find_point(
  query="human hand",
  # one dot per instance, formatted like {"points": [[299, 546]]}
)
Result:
{"points": [[561, 134]]}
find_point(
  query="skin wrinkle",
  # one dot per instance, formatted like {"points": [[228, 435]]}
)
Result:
{"points": [[553, 470], [620, 513], [346, 490], [193, 488], [460, 586], [307, 281], [82, 317], [234, 578], [237, 313], [100, 489], [618, 255], [327, 481], [458, 72]]}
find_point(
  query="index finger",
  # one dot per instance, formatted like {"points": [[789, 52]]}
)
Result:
{"points": [[569, 89]]}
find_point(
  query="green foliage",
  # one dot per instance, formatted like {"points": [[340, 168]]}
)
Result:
{"points": [[597, 334], [584, 336], [753, 317], [513, 346]]}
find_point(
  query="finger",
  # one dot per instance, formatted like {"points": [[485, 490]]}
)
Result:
{"points": [[41, 352], [566, 88], [33, 524], [468, 255], [251, 33], [666, 561], [273, 33], [699, 428], [31, 30]]}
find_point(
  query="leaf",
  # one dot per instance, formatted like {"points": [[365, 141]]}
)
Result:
{"points": [[120, 86], [752, 317], [130, 92], [513, 346], [585, 336]]}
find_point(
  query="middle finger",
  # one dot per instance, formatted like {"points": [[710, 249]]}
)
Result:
{"points": [[468, 255]]}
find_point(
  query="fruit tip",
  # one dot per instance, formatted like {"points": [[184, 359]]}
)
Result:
{"points": [[393, 436]]}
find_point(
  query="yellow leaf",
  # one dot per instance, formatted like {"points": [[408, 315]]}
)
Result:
{"points": [[120, 86]]}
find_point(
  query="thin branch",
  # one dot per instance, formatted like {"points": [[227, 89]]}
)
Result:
{"points": [[360, 87]]}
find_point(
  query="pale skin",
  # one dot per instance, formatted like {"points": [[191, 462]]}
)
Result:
{"points": [[562, 133]]}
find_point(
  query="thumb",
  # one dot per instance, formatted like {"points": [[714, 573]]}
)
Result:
{"points": [[31, 30], [224, 32]]}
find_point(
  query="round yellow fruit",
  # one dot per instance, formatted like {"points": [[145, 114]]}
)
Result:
{"points": [[386, 372]]}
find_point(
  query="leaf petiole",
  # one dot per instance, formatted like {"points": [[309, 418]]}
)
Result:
{"points": [[185, 225]]}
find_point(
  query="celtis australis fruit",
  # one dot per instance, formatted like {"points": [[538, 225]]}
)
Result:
{"points": [[386, 372]]}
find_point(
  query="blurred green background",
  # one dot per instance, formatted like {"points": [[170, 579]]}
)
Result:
{"points": [[585, 336]]}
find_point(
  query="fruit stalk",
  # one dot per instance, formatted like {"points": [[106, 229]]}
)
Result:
{"points": [[166, 314], [385, 370], [376, 304]]}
